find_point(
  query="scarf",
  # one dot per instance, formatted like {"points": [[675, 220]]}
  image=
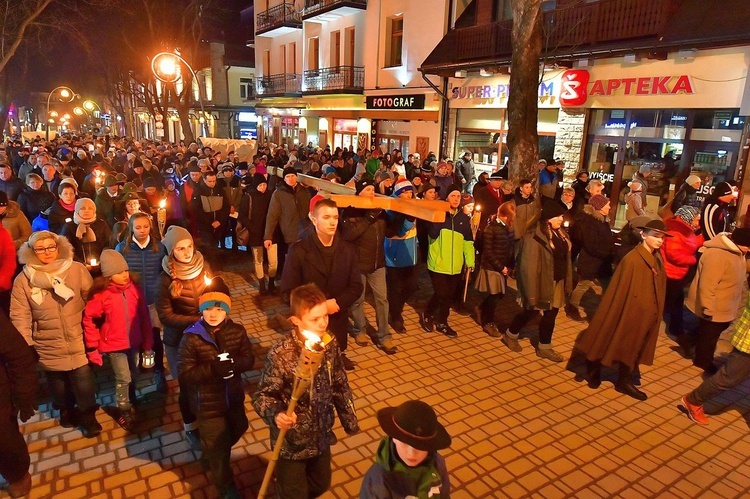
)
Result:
{"points": [[83, 231], [183, 271], [69, 207], [425, 476], [44, 278]]}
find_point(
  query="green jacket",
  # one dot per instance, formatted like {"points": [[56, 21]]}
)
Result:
{"points": [[451, 244]]}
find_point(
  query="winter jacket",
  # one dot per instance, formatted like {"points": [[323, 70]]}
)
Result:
{"points": [[12, 187], [288, 209], [173, 206], [548, 183], [401, 240], [715, 218], [105, 206], [582, 195], [716, 291], [535, 270], [17, 224], [679, 250], [388, 478], [466, 169], [177, 313], [58, 217], [497, 246], [594, 235], [53, 326], [313, 433], [528, 212], [33, 202], [7, 260], [451, 244], [210, 205], [232, 190], [686, 196], [210, 395], [18, 377], [366, 230], [124, 318], [636, 205], [254, 213], [144, 265], [443, 183], [84, 251]]}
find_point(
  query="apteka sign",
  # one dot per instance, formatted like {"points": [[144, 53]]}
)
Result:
{"points": [[577, 87]]}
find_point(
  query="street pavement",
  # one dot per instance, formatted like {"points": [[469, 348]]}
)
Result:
{"points": [[521, 426]]}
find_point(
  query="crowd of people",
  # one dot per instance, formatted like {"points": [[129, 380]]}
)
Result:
{"points": [[112, 249]]}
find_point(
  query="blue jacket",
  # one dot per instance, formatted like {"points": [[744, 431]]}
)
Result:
{"points": [[400, 240], [145, 264]]}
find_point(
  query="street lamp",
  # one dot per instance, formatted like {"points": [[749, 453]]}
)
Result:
{"points": [[66, 95], [166, 69], [90, 105]]}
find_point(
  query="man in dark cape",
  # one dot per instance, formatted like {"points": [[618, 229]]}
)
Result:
{"points": [[625, 327]]}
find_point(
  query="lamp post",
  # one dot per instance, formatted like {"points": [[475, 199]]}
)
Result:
{"points": [[166, 69], [66, 95]]}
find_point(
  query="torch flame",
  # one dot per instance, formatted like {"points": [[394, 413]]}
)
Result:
{"points": [[312, 341], [477, 208], [163, 203], [207, 279]]}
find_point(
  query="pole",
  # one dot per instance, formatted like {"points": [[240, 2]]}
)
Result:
{"points": [[466, 284]]}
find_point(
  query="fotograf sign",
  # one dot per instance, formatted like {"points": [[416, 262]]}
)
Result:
{"points": [[415, 101]]}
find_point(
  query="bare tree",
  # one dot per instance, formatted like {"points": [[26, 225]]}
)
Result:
{"points": [[523, 139]]}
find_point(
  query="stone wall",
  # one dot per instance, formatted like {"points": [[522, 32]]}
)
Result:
{"points": [[570, 141]]}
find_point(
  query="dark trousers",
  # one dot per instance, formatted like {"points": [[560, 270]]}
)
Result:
{"points": [[732, 373], [5, 302], [443, 290], [546, 325], [675, 299], [158, 350], [487, 308], [303, 479], [71, 388], [282, 250], [338, 324], [401, 283], [14, 459], [218, 435], [705, 343]]}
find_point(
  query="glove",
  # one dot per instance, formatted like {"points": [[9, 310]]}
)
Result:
{"points": [[373, 215], [223, 368], [26, 410], [95, 357]]}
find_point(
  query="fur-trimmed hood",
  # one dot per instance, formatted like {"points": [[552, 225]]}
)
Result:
{"points": [[591, 211], [26, 253]]}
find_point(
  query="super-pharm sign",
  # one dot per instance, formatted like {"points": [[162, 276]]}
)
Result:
{"points": [[577, 86]]}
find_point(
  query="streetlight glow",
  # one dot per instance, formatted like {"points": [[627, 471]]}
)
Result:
{"points": [[53, 114], [66, 117], [65, 93], [168, 66], [89, 105], [78, 111]]}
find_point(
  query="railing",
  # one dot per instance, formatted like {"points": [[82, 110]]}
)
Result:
{"points": [[347, 78], [283, 14], [313, 6], [597, 22], [280, 84]]}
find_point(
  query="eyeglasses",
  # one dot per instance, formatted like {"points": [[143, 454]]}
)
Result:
{"points": [[48, 249]]}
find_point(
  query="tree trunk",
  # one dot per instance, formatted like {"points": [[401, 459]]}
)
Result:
{"points": [[187, 130], [523, 139]]}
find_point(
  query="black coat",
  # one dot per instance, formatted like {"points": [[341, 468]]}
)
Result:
{"points": [[84, 252], [177, 313], [593, 234], [18, 378], [367, 233], [253, 212], [12, 187], [210, 395], [498, 245], [204, 215], [33, 202], [58, 217]]}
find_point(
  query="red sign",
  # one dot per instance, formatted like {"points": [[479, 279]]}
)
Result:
{"points": [[576, 87]]}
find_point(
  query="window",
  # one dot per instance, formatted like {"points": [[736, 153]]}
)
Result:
{"points": [[336, 49], [395, 42], [247, 89], [349, 51], [313, 53], [502, 10]]}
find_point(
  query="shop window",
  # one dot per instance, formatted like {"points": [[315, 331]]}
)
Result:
{"points": [[723, 125], [247, 89], [609, 122], [395, 39]]}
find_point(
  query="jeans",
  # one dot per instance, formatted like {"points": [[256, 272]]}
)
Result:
{"points": [[705, 344], [14, 459], [124, 365], [71, 388], [218, 435], [271, 259], [546, 325], [732, 373], [188, 418], [674, 301], [376, 280], [444, 289], [401, 283], [303, 479]]}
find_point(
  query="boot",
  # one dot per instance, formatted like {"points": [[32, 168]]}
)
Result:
{"points": [[271, 285], [262, 286], [160, 381], [593, 374], [625, 385], [131, 393], [20, 488], [68, 418], [90, 427]]}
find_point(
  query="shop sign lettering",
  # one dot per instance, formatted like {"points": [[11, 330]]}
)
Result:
{"points": [[499, 91], [395, 101], [576, 86], [602, 176]]}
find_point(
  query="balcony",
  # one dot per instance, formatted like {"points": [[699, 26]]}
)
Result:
{"points": [[321, 11], [336, 80], [279, 20], [280, 85], [594, 23]]}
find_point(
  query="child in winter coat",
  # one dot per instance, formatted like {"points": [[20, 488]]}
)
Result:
{"points": [[116, 322], [214, 352]]}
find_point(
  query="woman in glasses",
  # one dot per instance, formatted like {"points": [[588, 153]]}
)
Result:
{"points": [[47, 304]]}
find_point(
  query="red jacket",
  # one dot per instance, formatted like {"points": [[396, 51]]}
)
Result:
{"points": [[679, 251], [123, 315], [7, 259]]}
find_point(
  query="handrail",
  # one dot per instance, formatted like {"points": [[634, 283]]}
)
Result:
{"points": [[313, 6], [350, 78], [278, 15], [278, 84]]}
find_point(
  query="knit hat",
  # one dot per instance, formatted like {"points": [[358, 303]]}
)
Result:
{"points": [[451, 188], [194, 168], [383, 175], [112, 262], [691, 179], [149, 182], [80, 203], [429, 168], [242, 166], [216, 294], [415, 423], [174, 235], [722, 189], [644, 169], [261, 168], [687, 213], [741, 236], [289, 171], [363, 182], [402, 187], [598, 201], [466, 199], [259, 179], [68, 181], [552, 208]]}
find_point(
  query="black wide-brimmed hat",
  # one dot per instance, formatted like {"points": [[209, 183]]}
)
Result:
{"points": [[414, 423], [655, 226]]}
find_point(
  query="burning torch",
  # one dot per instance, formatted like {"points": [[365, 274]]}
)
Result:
{"points": [[161, 216], [310, 359]]}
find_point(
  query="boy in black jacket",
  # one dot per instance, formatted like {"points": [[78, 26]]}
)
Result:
{"points": [[214, 352]]}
